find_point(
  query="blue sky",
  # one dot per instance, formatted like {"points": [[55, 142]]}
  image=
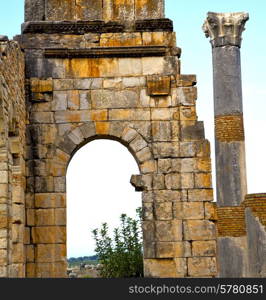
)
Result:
{"points": [[188, 17]]}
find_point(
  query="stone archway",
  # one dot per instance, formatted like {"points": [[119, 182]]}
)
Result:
{"points": [[100, 79]]}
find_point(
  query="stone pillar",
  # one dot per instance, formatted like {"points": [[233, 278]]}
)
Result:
{"points": [[225, 30]]}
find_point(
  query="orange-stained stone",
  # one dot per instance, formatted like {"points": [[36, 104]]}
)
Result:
{"points": [[102, 128], [99, 115]]}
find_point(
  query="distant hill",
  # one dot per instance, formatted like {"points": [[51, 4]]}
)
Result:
{"points": [[73, 261]]}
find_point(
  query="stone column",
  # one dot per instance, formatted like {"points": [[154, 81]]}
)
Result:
{"points": [[225, 30]]}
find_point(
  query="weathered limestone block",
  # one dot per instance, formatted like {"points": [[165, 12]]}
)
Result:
{"points": [[169, 231], [186, 96], [147, 211], [161, 196], [34, 10], [158, 85], [161, 131], [88, 9], [203, 180], [199, 230], [163, 210], [121, 39], [188, 210], [173, 181], [149, 9], [48, 270], [210, 211], [202, 266], [59, 10], [166, 149], [49, 235], [161, 114], [44, 217], [50, 253], [200, 195], [30, 253], [18, 255], [204, 248], [123, 10], [165, 268]]}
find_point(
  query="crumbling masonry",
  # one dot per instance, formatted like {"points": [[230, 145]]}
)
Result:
{"points": [[110, 69]]}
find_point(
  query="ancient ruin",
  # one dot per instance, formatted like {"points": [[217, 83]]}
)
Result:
{"points": [[110, 69]]}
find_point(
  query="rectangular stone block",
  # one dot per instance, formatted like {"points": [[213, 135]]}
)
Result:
{"points": [[129, 114], [18, 253], [160, 114], [187, 180], [163, 268], [3, 177], [41, 86], [121, 39], [182, 249], [3, 222], [50, 200], [50, 253], [72, 116], [42, 117], [161, 131], [203, 180], [34, 10], [148, 231], [49, 235], [3, 243], [165, 249], [158, 85], [88, 10], [147, 167], [30, 253], [202, 266], [198, 230], [3, 256], [168, 231], [130, 66], [123, 10], [200, 195], [44, 217], [51, 270], [204, 248], [17, 233], [188, 210], [173, 181], [163, 210], [166, 149], [211, 211], [60, 216], [59, 10], [149, 9], [63, 84]]}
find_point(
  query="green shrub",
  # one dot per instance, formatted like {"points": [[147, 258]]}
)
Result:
{"points": [[122, 256]]}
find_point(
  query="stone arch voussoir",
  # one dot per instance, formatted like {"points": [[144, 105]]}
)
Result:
{"points": [[126, 134]]}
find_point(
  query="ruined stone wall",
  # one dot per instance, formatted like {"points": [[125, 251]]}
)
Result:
{"points": [[107, 10], [12, 161], [124, 86]]}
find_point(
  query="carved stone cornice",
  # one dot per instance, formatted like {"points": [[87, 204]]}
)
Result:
{"points": [[154, 25], [225, 28], [98, 52], [71, 27], [97, 26]]}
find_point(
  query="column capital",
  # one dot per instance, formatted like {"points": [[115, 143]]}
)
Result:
{"points": [[225, 28]]}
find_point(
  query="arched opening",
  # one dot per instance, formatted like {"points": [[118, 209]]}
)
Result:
{"points": [[98, 191]]}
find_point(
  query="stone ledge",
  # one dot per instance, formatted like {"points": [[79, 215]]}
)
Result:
{"points": [[97, 26], [98, 52]]}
